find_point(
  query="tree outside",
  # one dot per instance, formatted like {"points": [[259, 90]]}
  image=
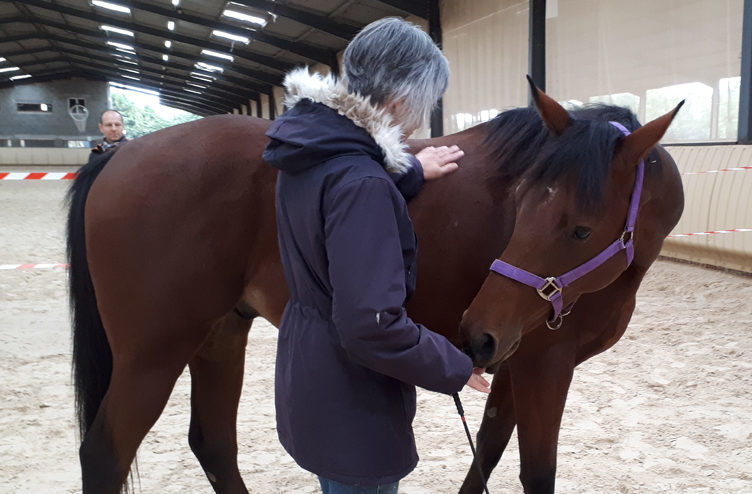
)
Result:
{"points": [[143, 115]]}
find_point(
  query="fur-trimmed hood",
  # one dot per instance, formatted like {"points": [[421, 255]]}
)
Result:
{"points": [[308, 133]]}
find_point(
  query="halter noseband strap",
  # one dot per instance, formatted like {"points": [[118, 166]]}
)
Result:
{"points": [[551, 288]]}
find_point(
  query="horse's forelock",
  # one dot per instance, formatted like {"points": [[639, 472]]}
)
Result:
{"points": [[521, 146]]}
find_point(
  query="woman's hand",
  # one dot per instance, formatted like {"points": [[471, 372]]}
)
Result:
{"points": [[478, 382], [438, 161]]}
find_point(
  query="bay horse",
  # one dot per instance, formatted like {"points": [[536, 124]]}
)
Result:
{"points": [[173, 251]]}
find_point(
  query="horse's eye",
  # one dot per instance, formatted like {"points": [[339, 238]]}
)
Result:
{"points": [[581, 233]]}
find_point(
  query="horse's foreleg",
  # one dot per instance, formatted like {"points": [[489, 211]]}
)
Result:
{"points": [[216, 382], [541, 372], [494, 433]]}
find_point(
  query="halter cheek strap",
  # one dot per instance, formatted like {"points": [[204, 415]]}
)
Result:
{"points": [[551, 288]]}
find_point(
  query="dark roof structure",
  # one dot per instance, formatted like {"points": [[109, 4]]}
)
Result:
{"points": [[202, 56]]}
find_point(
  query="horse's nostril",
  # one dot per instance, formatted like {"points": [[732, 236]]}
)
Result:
{"points": [[483, 349]]}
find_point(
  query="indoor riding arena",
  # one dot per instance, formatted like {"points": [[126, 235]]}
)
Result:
{"points": [[665, 410]]}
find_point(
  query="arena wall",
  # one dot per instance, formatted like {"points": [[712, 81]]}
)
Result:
{"points": [[15, 157], [714, 203]]}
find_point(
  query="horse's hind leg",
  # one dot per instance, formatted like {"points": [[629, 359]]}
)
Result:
{"points": [[140, 386], [216, 382], [494, 433]]}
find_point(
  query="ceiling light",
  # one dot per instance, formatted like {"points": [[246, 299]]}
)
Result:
{"points": [[168, 44], [17, 77], [223, 34], [133, 88], [114, 29], [203, 77], [122, 46], [191, 90], [171, 25], [217, 54], [195, 85], [129, 70], [9, 69], [130, 77], [253, 19], [121, 58], [165, 58], [2, 59], [208, 67], [111, 6], [175, 3]]}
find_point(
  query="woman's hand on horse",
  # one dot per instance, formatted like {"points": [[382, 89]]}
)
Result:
{"points": [[438, 161], [478, 382]]}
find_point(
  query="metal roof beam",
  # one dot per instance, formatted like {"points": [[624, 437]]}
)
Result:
{"points": [[311, 52], [158, 85], [267, 79], [413, 7], [270, 62], [320, 22]]}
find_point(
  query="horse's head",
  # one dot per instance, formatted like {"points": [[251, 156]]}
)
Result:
{"points": [[572, 232]]}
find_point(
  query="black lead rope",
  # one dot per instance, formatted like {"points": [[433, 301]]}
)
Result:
{"points": [[461, 411]]}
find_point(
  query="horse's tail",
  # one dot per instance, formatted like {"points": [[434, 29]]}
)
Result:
{"points": [[92, 357]]}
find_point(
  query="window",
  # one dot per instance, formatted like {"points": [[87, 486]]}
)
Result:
{"points": [[34, 107]]}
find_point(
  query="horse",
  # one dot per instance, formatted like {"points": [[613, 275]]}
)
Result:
{"points": [[173, 252]]}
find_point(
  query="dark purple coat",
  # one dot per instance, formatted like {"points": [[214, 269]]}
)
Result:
{"points": [[348, 356]]}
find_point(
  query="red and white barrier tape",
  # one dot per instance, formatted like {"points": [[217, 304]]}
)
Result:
{"points": [[32, 266], [697, 234], [37, 176], [734, 169]]}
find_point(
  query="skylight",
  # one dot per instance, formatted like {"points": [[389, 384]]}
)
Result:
{"points": [[253, 19], [217, 54], [9, 69], [2, 59], [208, 67], [17, 77], [113, 29], [233, 37], [111, 6]]}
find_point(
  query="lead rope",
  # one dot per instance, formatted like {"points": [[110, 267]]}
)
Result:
{"points": [[461, 411]]}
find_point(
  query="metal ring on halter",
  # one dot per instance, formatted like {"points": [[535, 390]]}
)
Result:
{"points": [[556, 323], [626, 236], [550, 285]]}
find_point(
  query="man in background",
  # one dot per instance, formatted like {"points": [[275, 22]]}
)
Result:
{"points": [[111, 127]]}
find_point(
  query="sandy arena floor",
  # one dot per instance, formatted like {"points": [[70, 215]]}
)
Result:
{"points": [[668, 410]]}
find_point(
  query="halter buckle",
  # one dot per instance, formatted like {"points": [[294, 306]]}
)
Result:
{"points": [[550, 289], [626, 236]]}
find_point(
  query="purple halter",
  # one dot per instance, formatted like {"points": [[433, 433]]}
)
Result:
{"points": [[551, 288]]}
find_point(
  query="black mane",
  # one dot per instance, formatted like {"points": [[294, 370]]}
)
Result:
{"points": [[519, 142]]}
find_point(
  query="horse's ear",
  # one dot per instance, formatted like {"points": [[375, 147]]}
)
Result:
{"points": [[555, 117], [639, 143]]}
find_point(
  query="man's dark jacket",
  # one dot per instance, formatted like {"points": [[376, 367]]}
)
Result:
{"points": [[348, 355]]}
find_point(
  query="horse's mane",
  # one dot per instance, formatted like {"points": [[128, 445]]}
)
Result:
{"points": [[523, 147]]}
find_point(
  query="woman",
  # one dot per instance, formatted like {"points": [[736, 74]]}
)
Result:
{"points": [[348, 356]]}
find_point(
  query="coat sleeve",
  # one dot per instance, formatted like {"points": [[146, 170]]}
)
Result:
{"points": [[410, 182], [366, 271]]}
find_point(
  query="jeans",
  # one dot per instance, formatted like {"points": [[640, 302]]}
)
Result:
{"points": [[332, 487]]}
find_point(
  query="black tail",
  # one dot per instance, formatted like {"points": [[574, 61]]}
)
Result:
{"points": [[92, 358]]}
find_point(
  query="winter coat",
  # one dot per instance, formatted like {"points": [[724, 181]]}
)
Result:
{"points": [[348, 356]]}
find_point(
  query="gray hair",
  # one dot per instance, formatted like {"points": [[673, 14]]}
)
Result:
{"points": [[392, 59]]}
